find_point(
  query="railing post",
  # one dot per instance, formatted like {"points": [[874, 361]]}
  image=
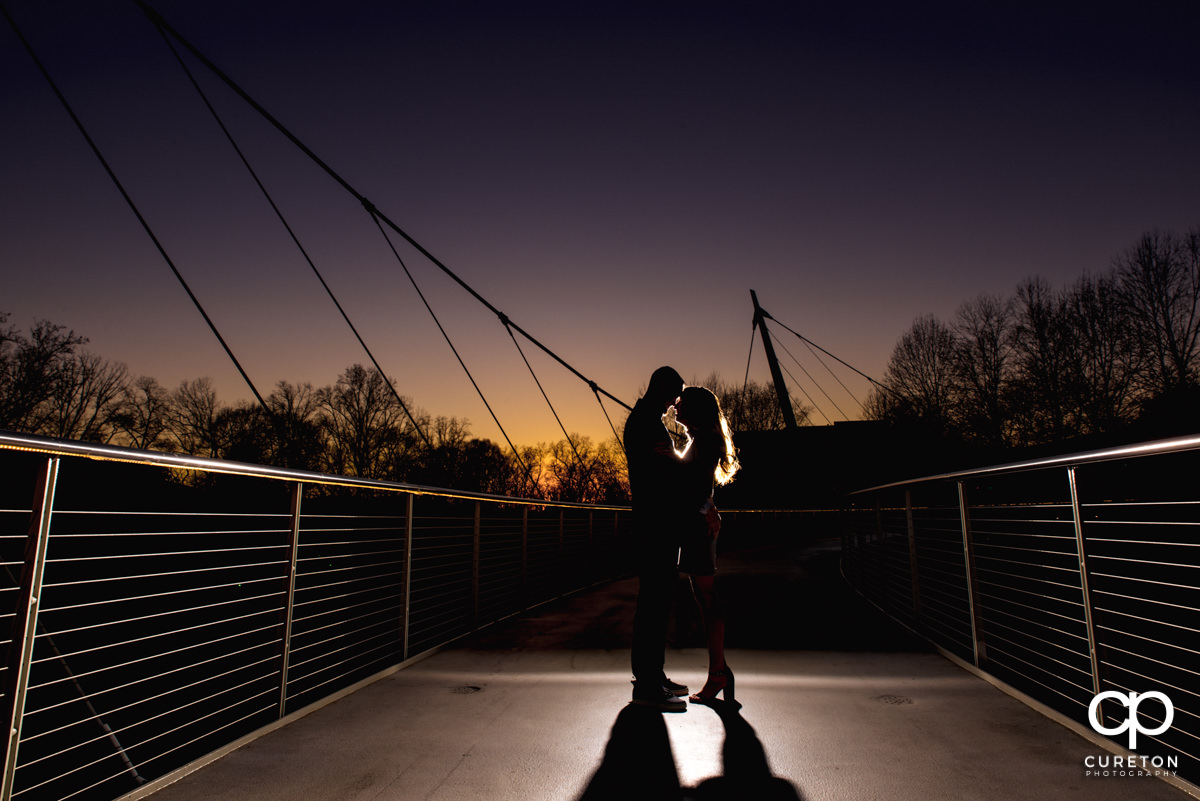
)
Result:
{"points": [[912, 556], [406, 580], [290, 599], [978, 647], [1088, 618], [20, 655]]}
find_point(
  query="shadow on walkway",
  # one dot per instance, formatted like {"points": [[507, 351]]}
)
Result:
{"points": [[639, 764]]}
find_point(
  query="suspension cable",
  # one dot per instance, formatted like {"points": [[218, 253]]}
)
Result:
{"points": [[881, 386], [746, 379], [829, 370], [827, 353], [616, 436], [542, 389], [589, 469], [379, 216], [287, 226], [137, 213], [516, 454], [804, 392], [816, 383]]}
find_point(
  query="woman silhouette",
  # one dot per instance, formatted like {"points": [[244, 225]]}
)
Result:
{"points": [[709, 458]]}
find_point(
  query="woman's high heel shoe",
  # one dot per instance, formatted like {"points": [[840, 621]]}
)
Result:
{"points": [[721, 683]]}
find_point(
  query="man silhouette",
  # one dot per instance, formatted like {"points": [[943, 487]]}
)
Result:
{"points": [[655, 474]]}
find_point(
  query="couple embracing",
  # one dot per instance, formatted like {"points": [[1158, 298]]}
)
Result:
{"points": [[675, 530]]}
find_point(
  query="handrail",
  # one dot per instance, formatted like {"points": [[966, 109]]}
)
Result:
{"points": [[157, 623], [1157, 447], [1067, 581], [12, 440]]}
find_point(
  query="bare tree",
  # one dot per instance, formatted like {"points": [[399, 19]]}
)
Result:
{"points": [[445, 462], [1044, 408], [142, 414], [753, 406], [984, 339], [918, 383], [363, 423], [28, 366], [1161, 276], [529, 474], [296, 422], [195, 421], [583, 472], [486, 468], [1105, 360], [248, 434], [85, 393], [449, 432]]}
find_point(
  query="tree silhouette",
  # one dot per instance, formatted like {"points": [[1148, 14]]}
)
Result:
{"points": [[920, 378], [752, 406], [1109, 352], [195, 422], [297, 439], [85, 395], [984, 344], [29, 369], [1104, 361], [362, 421], [142, 414], [1050, 365], [1161, 277]]}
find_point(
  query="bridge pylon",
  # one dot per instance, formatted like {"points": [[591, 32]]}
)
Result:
{"points": [[785, 401]]}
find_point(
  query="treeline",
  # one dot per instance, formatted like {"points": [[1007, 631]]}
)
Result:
{"points": [[357, 426], [1114, 353], [50, 385]]}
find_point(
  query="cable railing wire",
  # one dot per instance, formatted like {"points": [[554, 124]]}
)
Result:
{"points": [[154, 658], [1055, 618]]}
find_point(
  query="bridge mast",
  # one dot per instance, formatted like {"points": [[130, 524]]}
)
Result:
{"points": [[785, 403]]}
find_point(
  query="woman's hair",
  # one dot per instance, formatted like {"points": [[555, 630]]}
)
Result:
{"points": [[704, 414]]}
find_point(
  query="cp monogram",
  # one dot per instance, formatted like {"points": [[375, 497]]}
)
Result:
{"points": [[1130, 701]]}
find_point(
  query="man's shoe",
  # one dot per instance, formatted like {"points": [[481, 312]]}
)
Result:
{"points": [[674, 687], [662, 700]]}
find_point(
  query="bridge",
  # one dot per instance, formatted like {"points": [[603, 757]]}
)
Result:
{"points": [[189, 628], [186, 627]]}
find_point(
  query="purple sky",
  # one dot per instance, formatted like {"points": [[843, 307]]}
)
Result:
{"points": [[614, 177]]}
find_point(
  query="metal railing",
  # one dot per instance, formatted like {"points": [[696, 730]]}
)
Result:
{"points": [[165, 607], [1061, 578]]}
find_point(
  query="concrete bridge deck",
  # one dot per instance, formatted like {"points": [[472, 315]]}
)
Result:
{"points": [[838, 704]]}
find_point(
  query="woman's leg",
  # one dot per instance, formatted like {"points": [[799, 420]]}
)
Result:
{"points": [[714, 621]]}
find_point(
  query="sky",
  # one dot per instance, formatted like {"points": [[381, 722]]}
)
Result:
{"points": [[614, 177]]}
